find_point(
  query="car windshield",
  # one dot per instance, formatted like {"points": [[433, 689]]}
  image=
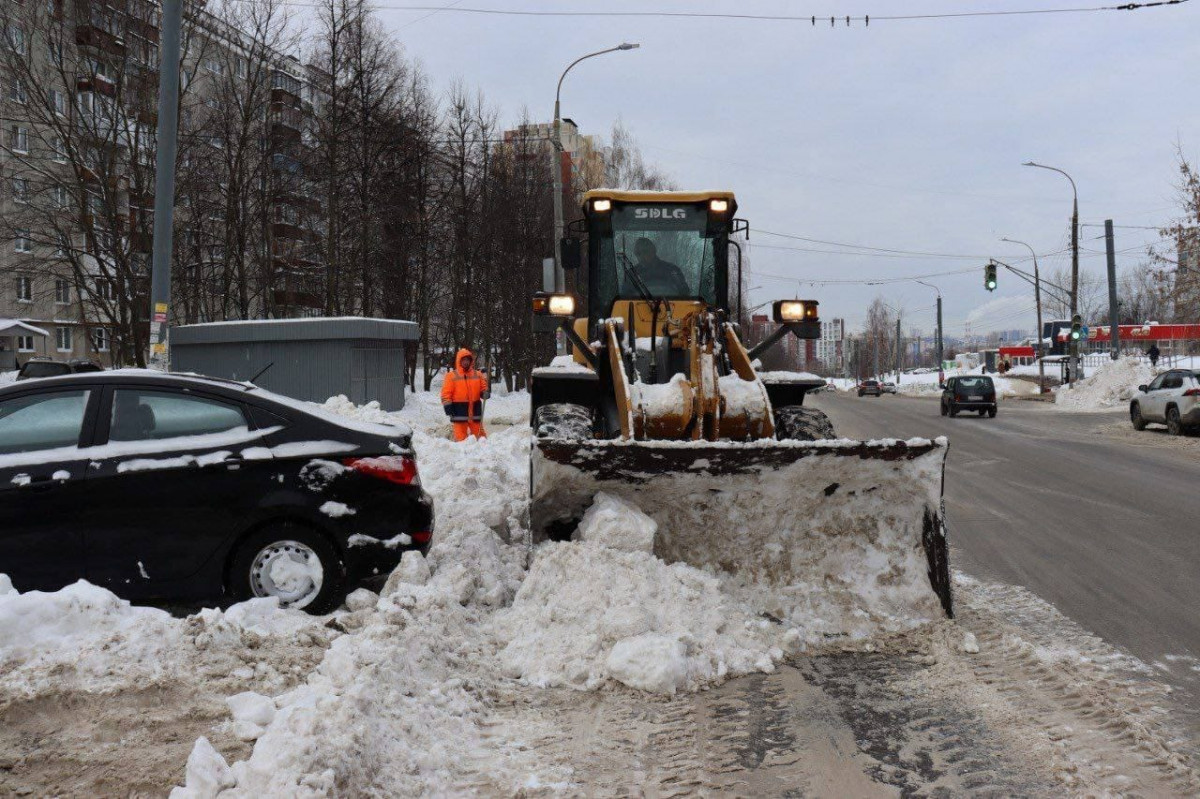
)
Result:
{"points": [[665, 245], [975, 383]]}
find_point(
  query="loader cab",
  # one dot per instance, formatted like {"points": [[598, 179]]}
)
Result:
{"points": [[671, 245]]}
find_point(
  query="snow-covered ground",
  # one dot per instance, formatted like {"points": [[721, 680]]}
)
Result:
{"points": [[7, 377], [1109, 386], [425, 688]]}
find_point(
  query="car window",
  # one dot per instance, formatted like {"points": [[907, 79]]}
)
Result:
{"points": [[141, 414], [1172, 380], [975, 383], [41, 421], [1156, 384]]}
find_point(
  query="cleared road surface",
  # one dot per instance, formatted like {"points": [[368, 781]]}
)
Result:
{"points": [[1100, 522]]}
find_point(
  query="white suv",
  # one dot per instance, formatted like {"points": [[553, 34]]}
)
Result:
{"points": [[1172, 398]]}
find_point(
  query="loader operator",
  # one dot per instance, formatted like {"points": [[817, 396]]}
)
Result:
{"points": [[662, 278], [463, 394]]}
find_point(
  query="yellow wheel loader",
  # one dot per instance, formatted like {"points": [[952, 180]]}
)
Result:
{"points": [[661, 404]]}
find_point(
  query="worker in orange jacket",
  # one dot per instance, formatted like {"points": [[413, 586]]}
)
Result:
{"points": [[463, 394]]}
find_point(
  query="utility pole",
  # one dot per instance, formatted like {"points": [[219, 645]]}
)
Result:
{"points": [[899, 352], [164, 182], [940, 340], [1114, 335]]}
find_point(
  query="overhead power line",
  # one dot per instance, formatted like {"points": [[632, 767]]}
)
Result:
{"points": [[813, 20]]}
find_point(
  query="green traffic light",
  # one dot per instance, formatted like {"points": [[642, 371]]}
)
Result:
{"points": [[991, 285]]}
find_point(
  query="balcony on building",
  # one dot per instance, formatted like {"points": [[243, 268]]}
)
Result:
{"points": [[99, 27]]}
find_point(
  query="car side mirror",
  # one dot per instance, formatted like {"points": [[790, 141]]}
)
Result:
{"points": [[1143, 387], [571, 252]]}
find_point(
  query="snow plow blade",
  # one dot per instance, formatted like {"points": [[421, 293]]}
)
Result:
{"points": [[825, 513]]}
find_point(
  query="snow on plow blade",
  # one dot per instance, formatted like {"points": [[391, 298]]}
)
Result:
{"points": [[846, 515]]}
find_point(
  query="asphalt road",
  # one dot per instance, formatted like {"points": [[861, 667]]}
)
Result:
{"points": [[1100, 522]]}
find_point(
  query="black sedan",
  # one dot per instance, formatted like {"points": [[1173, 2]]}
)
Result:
{"points": [[177, 487]]}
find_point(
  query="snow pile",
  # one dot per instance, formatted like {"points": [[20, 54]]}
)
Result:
{"points": [[587, 612], [612, 522], [86, 637], [1112, 384], [7, 377]]}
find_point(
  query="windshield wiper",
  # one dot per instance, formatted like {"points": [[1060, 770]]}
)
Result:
{"points": [[638, 284]]}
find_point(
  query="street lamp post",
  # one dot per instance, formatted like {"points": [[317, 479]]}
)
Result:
{"points": [[937, 344], [1037, 293], [556, 151], [1074, 375]]}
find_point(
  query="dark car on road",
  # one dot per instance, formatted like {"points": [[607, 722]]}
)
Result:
{"points": [[46, 367], [969, 393], [870, 387], [177, 487]]}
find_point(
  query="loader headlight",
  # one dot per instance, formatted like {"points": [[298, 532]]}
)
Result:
{"points": [[561, 305], [718, 206], [795, 310], [600, 206]]}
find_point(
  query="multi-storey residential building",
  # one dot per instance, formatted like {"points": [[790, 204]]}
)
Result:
{"points": [[582, 159], [830, 347], [78, 89]]}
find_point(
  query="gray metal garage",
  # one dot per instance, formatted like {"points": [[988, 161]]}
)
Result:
{"points": [[309, 359]]}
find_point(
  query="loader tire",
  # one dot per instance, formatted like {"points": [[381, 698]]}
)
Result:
{"points": [[563, 421], [797, 423]]}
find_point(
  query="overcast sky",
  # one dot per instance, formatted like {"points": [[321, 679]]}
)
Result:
{"points": [[904, 135]]}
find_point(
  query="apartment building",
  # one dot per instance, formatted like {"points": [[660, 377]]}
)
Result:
{"points": [[78, 92], [830, 346], [582, 158]]}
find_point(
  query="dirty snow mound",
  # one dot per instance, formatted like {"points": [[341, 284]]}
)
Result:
{"points": [[1110, 385], [615, 523], [587, 612]]}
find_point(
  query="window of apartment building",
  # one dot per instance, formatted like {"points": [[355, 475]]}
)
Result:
{"points": [[217, 142], [64, 339], [100, 339], [56, 101], [58, 150], [16, 91], [242, 67], [103, 289], [55, 48], [15, 36], [24, 343], [62, 291], [23, 242], [20, 190], [62, 246], [18, 139], [214, 65], [59, 193], [24, 288]]}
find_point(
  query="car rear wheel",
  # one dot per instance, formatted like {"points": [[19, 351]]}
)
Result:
{"points": [[293, 563], [991, 413], [953, 411], [945, 411], [1135, 417], [797, 423], [1174, 423]]}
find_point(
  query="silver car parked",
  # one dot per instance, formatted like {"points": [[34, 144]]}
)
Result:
{"points": [[1172, 398]]}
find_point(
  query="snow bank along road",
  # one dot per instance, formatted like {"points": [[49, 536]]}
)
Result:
{"points": [[591, 669], [1103, 524]]}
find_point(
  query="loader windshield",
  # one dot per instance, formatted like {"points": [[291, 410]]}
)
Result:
{"points": [[665, 247]]}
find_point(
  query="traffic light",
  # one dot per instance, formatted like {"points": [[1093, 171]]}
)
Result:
{"points": [[1076, 327], [989, 277]]}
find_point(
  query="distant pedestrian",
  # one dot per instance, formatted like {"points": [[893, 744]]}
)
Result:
{"points": [[1153, 352], [463, 394]]}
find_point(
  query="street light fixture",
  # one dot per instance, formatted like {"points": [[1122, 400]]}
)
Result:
{"points": [[1037, 292], [1074, 369], [556, 151]]}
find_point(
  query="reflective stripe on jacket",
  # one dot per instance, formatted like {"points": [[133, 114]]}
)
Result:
{"points": [[463, 391]]}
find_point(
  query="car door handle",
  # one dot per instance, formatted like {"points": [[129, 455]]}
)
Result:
{"points": [[233, 462], [42, 483]]}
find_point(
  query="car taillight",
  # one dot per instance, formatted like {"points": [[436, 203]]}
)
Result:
{"points": [[1192, 392], [421, 537], [398, 469]]}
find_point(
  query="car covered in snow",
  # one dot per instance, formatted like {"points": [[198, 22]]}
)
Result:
{"points": [[969, 393], [1172, 398], [160, 486]]}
